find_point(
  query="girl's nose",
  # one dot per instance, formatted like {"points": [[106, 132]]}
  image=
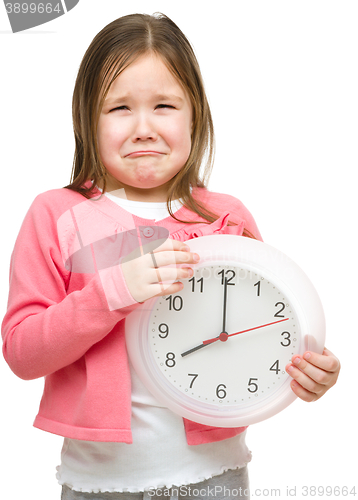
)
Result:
{"points": [[144, 129]]}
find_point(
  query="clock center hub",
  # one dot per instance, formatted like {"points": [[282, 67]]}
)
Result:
{"points": [[223, 336]]}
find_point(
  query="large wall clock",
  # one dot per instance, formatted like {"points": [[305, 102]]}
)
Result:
{"points": [[216, 352]]}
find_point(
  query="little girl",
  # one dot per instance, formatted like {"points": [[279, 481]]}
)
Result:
{"points": [[143, 127]]}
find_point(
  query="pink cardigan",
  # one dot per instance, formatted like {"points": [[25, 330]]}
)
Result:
{"points": [[69, 327]]}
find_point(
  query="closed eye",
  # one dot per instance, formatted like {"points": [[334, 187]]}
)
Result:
{"points": [[161, 106], [119, 107]]}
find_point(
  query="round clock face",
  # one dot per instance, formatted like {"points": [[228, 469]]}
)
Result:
{"points": [[216, 352], [229, 370]]}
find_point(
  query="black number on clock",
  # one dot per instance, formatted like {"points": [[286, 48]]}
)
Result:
{"points": [[252, 386], [275, 367], [175, 303], [258, 284], [201, 281], [278, 315], [192, 375], [286, 338], [164, 330], [170, 361], [232, 276], [220, 391]]}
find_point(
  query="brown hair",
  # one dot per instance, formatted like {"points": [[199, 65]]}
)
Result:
{"points": [[112, 50]]}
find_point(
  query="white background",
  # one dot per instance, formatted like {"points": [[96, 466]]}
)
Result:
{"points": [[282, 81]]}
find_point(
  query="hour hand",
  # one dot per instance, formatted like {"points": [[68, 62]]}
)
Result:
{"points": [[196, 348]]}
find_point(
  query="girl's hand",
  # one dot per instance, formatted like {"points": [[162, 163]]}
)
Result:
{"points": [[313, 374], [147, 276]]}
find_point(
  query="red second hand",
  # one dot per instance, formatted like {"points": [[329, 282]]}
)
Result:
{"points": [[210, 341]]}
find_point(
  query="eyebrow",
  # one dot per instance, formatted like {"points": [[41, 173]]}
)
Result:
{"points": [[159, 97], [170, 97]]}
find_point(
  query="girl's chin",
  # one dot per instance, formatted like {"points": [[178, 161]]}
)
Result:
{"points": [[145, 174]]}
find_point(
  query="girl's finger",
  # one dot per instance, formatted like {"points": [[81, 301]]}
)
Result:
{"points": [[170, 274], [305, 381], [167, 258], [172, 245], [316, 374], [302, 393], [326, 361], [168, 289]]}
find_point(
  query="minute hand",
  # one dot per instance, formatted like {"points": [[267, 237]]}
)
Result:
{"points": [[210, 341]]}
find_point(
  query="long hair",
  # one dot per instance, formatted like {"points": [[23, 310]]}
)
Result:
{"points": [[112, 50]]}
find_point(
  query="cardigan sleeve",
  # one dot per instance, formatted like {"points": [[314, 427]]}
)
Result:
{"points": [[46, 326]]}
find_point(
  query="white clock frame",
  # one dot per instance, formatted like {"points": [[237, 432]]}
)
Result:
{"points": [[269, 263]]}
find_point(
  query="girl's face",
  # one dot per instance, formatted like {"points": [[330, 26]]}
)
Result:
{"points": [[144, 130]]}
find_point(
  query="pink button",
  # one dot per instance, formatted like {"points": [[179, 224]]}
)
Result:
{"points": [[148, 232]]}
